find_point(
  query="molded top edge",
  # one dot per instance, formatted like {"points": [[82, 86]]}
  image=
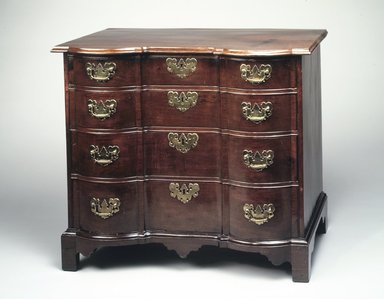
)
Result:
{"points": [[236, 42]]}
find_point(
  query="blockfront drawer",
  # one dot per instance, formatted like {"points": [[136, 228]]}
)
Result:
{"points": [[181, 107], [262, 159], [182, 153], [176, 206], [104, 109], [106, 155], [258, 73], [260, 214], [107, 208], [188, 69], [259, 113], [104, 71]]}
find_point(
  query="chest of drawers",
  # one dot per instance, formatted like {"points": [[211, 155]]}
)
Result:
{"points": [[195, 137]]}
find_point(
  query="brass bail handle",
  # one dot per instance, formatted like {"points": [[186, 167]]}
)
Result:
{"points": [[258, 161], [102, 109], [256, 74], [182, 68], [100, 72], [258, 112], [259, 214], [105, 155]]}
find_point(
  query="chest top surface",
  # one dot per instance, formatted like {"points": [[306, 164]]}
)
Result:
{"points": [[242, 42]]}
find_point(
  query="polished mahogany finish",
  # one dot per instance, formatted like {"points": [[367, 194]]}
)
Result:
{"points": [[170, 142]]}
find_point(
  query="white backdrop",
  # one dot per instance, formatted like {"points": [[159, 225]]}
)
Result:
{"points": [[348, 260]]}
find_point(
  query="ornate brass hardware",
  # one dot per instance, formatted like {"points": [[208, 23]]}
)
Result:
{"points": [[183, 142], [259, 214], [257, 113], [256, 75], [102, 110], [105, 209], [257, 161], [182, 68], [100, 72], [106, 155], [184, 101], [184, 193]]}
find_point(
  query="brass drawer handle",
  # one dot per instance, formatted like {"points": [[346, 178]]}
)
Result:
{"points": [[257, 161], [106, 155], [259, 214], [184, 193], [102, 110], [182, 101], [100, 72], [181, 68], [256, 113], [105, 209], [255, 75], [183, 142]]}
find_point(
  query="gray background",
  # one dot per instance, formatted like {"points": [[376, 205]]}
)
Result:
{"points": [[348, 261]]}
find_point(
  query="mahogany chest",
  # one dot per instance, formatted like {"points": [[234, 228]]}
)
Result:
{"points": [[192, 137]]}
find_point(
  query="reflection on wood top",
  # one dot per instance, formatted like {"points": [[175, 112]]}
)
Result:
{"points": [[241, 42]]}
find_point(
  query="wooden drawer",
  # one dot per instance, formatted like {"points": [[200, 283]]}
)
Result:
{"points": [[155, 70], [256, 113], [104, 110], [260, 214], [198, 210], [201, 160], [106, 71], [181, 107], [282, 73], [261, 168], [106, 155], [118, 214]]}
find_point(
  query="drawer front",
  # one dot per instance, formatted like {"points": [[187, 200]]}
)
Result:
{"points": [[106, 155], [183, 206], [192, 153], [260, 214], [262, 160], [105, 71], [181, 107], [258, 73], [256, 113], [104, 110], [107, 208], [180, 70]]}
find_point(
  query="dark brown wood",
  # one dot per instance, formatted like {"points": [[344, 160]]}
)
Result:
{"points": [[127, 71], [126, 102], [202, 161], [281, 72], [283, 168], [124, 166], [248, 42], [69, 251], [312, 133], [147, 164], [201, 215], [158, 112], [284, 110], [126, 220], [156, 73], [277, 228]]}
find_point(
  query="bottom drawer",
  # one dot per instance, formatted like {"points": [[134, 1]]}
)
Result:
{"points": [[260, 214], [183, 206], [107, 208]]}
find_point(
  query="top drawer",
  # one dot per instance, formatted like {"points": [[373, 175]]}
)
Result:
{"points": [[104, 71], [258, 73], [183, 69]]}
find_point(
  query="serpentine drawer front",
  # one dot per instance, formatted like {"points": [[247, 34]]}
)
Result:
{"points": [[192, 137]]}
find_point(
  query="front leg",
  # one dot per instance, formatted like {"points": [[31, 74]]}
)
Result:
{"points": [[69, 254]]}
